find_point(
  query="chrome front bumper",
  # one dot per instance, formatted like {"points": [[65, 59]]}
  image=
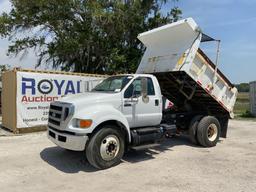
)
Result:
{"points": [[67, 141]]}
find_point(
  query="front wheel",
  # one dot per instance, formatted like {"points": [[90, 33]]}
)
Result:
{"points": [[106, 148], [208, 131]]}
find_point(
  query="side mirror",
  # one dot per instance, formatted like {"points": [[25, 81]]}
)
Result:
{"points": [[144, 90]]}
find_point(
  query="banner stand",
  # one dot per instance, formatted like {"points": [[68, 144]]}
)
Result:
{"points": [[26, 95]]}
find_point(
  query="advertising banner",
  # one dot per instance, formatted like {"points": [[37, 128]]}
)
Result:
{"points": [[35, 92]]}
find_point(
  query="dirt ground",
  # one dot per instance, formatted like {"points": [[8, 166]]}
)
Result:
{"points": [[31, 163]]}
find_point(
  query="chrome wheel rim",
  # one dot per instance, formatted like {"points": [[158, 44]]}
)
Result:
{"points": [[212, 132], [109, 147]]}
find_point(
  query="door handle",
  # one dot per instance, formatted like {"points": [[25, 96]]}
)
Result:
{"points": [[130, 102], [127, 105], [156, 102]]}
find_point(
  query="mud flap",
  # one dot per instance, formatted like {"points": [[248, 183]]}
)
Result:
{"points": [[224, 127]]}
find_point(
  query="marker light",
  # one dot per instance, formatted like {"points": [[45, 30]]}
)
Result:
{"points": [[84, 123]]}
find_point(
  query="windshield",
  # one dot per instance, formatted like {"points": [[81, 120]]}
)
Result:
{"points": [[113, 84]]}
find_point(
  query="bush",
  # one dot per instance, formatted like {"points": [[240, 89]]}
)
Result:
{"points": [[247, 114]]}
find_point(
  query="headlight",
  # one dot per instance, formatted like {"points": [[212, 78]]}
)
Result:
{"points": [[83, 123]]}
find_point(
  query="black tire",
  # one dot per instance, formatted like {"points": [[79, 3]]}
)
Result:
{"points": [[93, 149], [193, 129], [206, 125]]}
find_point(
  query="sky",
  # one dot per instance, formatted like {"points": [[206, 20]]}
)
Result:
{"points": [[231, 21]]}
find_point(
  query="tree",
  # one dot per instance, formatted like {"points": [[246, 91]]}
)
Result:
{"points": [[93, 36], [4, 68], [243, 87]]}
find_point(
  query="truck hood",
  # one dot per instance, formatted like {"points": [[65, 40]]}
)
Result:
{"points": [[90, 98]]}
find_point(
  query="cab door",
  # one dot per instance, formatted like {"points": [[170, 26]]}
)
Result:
{"points": [[138, 112]]}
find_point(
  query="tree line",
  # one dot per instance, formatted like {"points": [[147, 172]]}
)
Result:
{"points": [[243, 87], [93, 36]]}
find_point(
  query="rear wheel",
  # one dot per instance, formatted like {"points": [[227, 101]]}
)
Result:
{"points": [[208, 131], [106, 148], [193, 129]]}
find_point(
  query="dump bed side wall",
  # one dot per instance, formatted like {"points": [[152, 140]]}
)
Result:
{"points": [[202, 72], [221, 90], [196, 84]]}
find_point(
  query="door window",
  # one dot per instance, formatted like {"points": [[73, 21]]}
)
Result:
{"points": [[134, 88]]}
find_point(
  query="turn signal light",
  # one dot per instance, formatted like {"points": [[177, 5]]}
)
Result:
{"points": [[85, 123]]}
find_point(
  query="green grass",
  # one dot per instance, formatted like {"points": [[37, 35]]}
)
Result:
{"points": [[242, 106], [242, 103]]}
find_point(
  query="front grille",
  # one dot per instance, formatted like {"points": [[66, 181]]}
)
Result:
{"points": [[55, 122], [59, 113], [56, 115], [57, 108]]}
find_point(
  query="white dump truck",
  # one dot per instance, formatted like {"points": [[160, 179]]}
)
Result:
{"points": [[126, 111]]}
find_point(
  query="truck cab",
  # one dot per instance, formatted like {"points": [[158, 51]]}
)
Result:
{"points": [[123, 101]]}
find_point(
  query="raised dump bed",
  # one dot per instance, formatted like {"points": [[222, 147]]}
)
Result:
{"points": [[186, 75]]}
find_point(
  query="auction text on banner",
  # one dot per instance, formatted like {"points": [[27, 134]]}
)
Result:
{"points": [[35, 92]]}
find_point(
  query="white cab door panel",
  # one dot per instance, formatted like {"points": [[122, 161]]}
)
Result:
{"points": [[137, 112], [147, 114]]}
